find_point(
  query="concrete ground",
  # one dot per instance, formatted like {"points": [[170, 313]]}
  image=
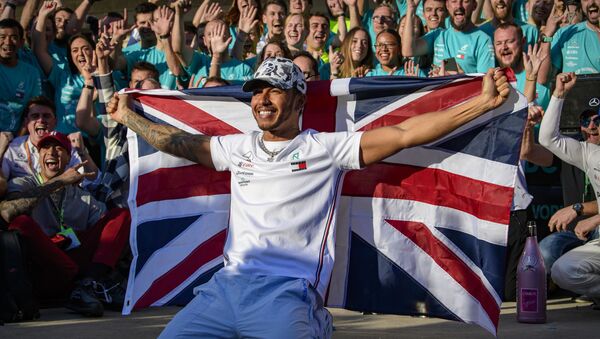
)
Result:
{"points": [[566, 319]]}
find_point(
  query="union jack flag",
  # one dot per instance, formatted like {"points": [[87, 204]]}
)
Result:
{"points": [[421, 233]]}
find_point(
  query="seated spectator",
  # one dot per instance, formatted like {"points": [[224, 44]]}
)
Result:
{"points": [[434, 13], [22, 157], [295, 32], [579, 269], [470, 47], [20, 81], [308, 65], [67, 232], [575, 48], [387, 52], [357, 55]]}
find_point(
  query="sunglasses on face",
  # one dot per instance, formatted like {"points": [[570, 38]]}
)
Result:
{"points": [[585, 122]]}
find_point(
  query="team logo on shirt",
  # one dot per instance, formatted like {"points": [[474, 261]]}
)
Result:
{"points": [[20, 92], [298, 166], [295, 156], [594, 102], [248, 156]]}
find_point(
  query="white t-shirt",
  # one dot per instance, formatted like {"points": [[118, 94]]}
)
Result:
{"points": [[283, 213]]}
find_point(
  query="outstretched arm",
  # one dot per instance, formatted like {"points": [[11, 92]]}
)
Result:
{"points": [[23, 202], [380, 143], [165, 138]]}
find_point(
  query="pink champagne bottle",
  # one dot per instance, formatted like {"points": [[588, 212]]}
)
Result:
{"points": [[531, 281]]}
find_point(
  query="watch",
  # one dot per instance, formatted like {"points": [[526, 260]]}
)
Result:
{"points": [[546, 38], [578, 207]]}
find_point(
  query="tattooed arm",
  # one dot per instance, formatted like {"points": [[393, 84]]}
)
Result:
{"points": [[19, 203], [167, 139]]}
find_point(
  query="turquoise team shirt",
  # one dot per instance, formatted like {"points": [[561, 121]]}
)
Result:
{"points": [[542, 92], [17, 85], [58, 53], [234, 71], [529, 31], [472, 50], [378, 70], [576, 48], [155, 56], [68, 88], [367, 17]]}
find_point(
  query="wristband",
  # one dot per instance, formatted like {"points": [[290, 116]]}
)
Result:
{"points": [[90, 87], [11, 5], [166, 36]]}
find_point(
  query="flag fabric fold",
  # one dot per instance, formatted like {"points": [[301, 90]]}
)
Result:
{"points": [[420, 233]]}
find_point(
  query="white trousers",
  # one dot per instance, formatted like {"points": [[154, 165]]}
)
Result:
{"points": [[579, 269]]}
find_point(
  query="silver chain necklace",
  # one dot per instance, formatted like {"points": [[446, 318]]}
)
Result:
{"points": [[262, 146]]}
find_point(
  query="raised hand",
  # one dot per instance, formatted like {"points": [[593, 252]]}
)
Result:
{"points": [[411, 6], [350, 3], [118, 107], [163, 22], [248, 20], [533, 59], [89, 67], [218, 43], [411, 69], [564, 83], [495, 88], [336, 8], [534, 115], [120, 30], [183, 6], [104, 46], [76, 139], [46, 8], [553, 22], [5, 139], [209, 11]]}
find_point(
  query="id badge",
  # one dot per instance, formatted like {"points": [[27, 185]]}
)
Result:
{"points": [[69, 233]]}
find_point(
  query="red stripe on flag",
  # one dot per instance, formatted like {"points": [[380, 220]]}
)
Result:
{"points": [[420, 234], [188, 114], [319, 111], [201, 255], [433, 186], [181, 182], [441, 98]]}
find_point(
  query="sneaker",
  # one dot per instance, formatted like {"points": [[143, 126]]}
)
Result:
{"points": [[83, 300], [110, 293], [582, 299]]}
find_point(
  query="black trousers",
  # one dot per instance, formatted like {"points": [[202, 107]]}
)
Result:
{"points": [[517, 234]]}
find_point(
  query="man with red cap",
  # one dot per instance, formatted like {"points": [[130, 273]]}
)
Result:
{"points": [[69, 235]]}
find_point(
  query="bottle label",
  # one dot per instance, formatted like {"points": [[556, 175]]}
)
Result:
{"points": [[529, 300], [529, 263]]}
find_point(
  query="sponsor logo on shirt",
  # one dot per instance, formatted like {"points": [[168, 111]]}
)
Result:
{"points": [[594, 102], [298, 166], [572, 51], [20, 92], [244, 164], [295, 156], [248, 156]]}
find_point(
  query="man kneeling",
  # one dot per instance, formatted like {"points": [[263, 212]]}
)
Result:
{"points": [[68, 233]]}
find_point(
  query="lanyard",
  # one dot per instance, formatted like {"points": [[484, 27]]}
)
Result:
{"points": [[57, 210], [29, 158]]}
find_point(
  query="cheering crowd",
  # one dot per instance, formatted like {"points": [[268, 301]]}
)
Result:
{"points": [[65, 170]]}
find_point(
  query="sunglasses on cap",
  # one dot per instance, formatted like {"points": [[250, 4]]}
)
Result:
{"points": [[585, 122]]}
